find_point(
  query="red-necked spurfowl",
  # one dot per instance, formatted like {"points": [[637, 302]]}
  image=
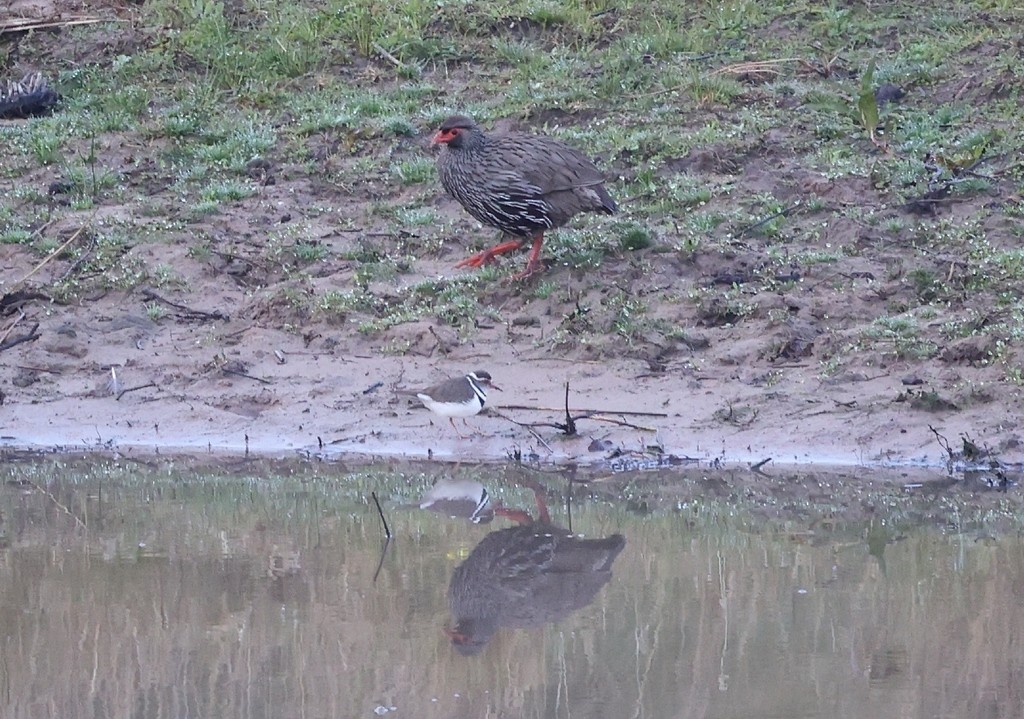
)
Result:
{"points": [[522, 184]]}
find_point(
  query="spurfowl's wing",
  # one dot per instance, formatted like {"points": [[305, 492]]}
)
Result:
{"points": [[562, 176]]}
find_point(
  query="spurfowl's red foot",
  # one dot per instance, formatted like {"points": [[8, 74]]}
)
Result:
{"points": [[533, 263], [532, 268], [478, 260], [482, 258]]}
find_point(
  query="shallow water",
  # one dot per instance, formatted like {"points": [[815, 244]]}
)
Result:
{"points": [[131, 590]]}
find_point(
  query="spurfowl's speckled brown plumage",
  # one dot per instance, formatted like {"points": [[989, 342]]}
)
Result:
{"points": [[521, 184]]}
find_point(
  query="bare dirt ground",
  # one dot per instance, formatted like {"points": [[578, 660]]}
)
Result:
{"points": [[234, 365], [334, 389]]}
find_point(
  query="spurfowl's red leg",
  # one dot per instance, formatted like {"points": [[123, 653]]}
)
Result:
{"points": [[542, 506], [519, 516], [533, 263], [482, 258]]}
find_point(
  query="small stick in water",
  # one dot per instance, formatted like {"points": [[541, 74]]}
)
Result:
{"points": [[387, 529]]}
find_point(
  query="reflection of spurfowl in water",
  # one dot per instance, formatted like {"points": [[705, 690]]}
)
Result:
{"points": [[526, 576]]}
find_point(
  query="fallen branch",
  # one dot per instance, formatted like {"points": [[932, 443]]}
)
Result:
{"points": [[536, 436], [83, 258], [380, 562], [944, 443], [388, 56], [239, 373], [123, 392], [562, 427], [14, 300], [527, 426], [199, 314], [61, 506], [619, 422], [30, 368], [24, 24], [30, 336], [781, 213], [570, 423], [387, 529], [48, 258], [752, 67], [21, 316], [585, 412]]}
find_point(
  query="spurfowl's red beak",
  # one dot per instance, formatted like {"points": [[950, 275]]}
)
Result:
{"points": [[440, 138]]}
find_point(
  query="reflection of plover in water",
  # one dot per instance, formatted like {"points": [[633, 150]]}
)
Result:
{"points": [[462, 498], [458, 397]]}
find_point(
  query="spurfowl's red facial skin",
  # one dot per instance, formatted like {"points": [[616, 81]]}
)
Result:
{"points": [[450, 132], [522, 184], [447, 137]]}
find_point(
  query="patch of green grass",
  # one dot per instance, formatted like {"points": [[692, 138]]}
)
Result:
{"points": [[367, 272], [575, 327], [155, 311], [339, 97], [46, 142], [628, 316], [713, 90], [544, 289], [164, 275], [308, 251], [104, 261], [926, 284], [633, 237], [227, 191], [580, 249], [416, 171], [16, 236], [417, 216], [694, 230], [899, 336], [453, 302], [340, 302], [716, 308], [203, 208], [87, 183]]}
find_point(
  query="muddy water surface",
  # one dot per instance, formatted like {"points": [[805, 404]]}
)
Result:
{"points": [[145, 590]]}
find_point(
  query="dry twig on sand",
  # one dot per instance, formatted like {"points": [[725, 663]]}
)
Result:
{"points": [[189, 312], [24, 24], [569, 428]]}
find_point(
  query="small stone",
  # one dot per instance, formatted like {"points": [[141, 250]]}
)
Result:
{"points": [[887, 92], [525, 321], [67, 347], [24, 379]]}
